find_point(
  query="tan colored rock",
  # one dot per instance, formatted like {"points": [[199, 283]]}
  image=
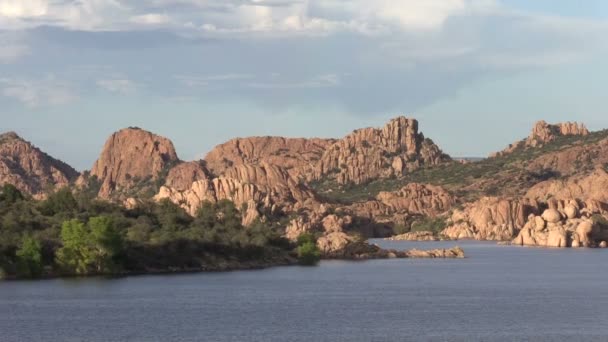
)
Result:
{"points": [[29, 169], [603, 244], [584, 231], [455, 252], [490, 218], [371, 153], [557, 238], [130, 156], [543, 133], [552, 216], [589, 188], [298, 156], [334, 242], [571, 211], [333, 223], [182, 176], [414, 236], [297, 227], [420, 199]]}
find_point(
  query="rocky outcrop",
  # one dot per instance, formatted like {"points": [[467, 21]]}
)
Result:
{"points": [[421, 199], [543, 133], [590, 188], [181, 176], [415, 236], [131, 156], [565, 228], [296, 155], [490, 218], [263, 187], [29, 169], [372, 153]]}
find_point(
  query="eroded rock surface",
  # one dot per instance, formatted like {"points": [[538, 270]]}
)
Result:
{"points": [[131, 156], [490, 218], [29, 169], [372, 153]]}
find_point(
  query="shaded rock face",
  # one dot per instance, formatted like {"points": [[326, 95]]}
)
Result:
{"points": [[572, 160], [372, 153], [130, 156], [181, 176], [490, 218], [543, 133], [569, 227], [421, 199], [264, 187], [296, 155], [29, 169]]}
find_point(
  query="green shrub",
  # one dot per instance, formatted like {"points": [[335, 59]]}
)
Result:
{"points": [[308, 254]]}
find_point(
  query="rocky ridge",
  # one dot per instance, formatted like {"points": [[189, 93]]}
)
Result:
{"points": [[29, 169]]}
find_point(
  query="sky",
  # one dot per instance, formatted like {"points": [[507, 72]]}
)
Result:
{"points": [[476, 73]]}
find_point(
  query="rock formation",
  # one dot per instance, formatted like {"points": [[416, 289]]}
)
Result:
{"points": [[590, 188], [181, 176], [543, 133], [414, 198], [372, 153], [490, 218], [296, 155], [29, 169], [415, 236], [565, 228], [131, 156], [265, 187]]}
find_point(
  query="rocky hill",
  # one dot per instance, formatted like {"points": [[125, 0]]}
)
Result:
{"points": [[371, 153], [132, 158], [29, 169], [296, 155]]}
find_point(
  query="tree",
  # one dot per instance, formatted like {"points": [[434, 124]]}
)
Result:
{"points": [[76, 255], [93, 248], [61, 201], [106, 243], [29, 258], [10, 194]]}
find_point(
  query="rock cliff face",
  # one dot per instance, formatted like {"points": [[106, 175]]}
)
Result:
{"points": [[298, 156], [543, 133], [372, 153], [591, 188], [181, 176], [131, 156], [421, 199], [29, 169], [490, 218], [263, 188]]}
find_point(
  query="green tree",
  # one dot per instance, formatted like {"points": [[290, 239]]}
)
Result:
{"points": [[29, 258], [76, 255], [106, 244], [60, 202], [10, 194]]}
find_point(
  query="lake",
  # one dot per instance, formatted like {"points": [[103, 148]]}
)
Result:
{"points": [[498, 293]]}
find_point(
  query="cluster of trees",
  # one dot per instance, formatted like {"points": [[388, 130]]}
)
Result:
{"points": [[75, 234]]}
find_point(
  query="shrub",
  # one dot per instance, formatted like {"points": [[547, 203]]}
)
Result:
{"points": [[308, 254]]}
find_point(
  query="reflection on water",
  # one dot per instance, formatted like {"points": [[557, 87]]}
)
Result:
{"points": [[499, 293]]}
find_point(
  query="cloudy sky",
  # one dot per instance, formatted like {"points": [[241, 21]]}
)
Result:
{"points": [[476, 73]]}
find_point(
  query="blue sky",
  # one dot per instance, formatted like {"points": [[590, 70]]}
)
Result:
{"points": [[476, 73]]}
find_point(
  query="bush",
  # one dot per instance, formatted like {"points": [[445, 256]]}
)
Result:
{"points": [[309, 254], [435, 225], [29, 258]]}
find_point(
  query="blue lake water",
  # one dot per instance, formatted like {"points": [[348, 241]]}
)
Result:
{"points": [[499, 293]]}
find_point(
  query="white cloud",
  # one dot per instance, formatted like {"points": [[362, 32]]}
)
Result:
{"points": [[319, 81], [150, 19], [23, 8], [204, 81], [117, 85], [35, 93]]}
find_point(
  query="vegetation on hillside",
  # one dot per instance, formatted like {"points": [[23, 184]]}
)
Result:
{"points": [[503, 175], [74, 234]]}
